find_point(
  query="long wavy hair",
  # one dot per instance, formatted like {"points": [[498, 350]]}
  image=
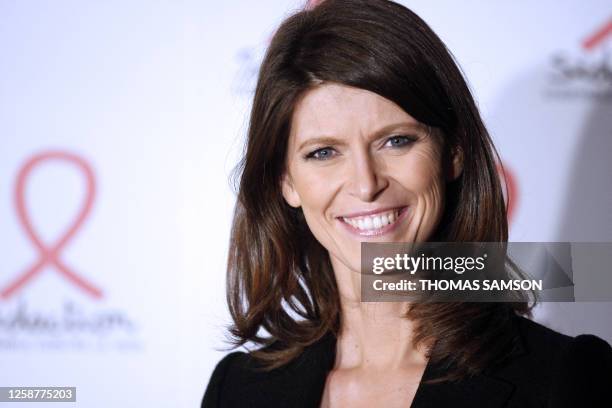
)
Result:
{"points": [[281, 289]]}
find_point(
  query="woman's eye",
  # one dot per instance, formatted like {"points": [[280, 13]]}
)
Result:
{"points": [[321, 154], [399, 141]]}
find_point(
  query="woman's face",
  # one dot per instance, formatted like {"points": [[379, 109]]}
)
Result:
{"points": [[362, 169]]}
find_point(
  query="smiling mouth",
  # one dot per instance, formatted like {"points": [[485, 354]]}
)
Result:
{"points": [[375, 224]]}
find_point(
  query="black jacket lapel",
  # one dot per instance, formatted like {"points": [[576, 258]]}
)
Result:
{"points": [[477, 391], [302, 382]]}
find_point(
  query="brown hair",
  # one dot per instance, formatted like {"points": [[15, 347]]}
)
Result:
{"points": [[280, 279]]}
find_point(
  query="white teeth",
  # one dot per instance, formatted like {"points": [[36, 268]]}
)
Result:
{"points": [[373, 222], [385, 220], [377, 222], [360, 224]]}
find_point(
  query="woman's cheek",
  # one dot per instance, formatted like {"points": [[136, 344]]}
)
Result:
{"points": [[426, 185]]}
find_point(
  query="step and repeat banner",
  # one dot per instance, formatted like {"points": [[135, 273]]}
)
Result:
{"points": [[120, 123]]}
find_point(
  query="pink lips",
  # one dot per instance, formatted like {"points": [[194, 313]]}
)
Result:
{"points": [[370, 212], [377, 232]]}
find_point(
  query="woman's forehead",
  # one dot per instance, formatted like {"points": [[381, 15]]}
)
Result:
{"points": [[336, 110]]}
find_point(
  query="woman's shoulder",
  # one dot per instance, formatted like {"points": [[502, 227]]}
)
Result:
{"points": [[235, 362], [239, 378], [239, 367], [540, 340], [564, 370]]}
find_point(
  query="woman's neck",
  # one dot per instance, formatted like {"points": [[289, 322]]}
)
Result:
{"points": [[372, 334]]}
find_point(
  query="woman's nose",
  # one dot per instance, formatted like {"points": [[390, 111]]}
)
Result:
{"points": [[366, 181]]}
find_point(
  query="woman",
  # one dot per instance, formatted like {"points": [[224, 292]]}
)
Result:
{"points": [[363, 130]]}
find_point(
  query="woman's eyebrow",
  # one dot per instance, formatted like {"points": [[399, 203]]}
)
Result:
{"points": [[323, 140], [416, 126], [329, 140]]}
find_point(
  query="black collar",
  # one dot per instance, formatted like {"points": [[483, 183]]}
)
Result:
{"points": [[487, 389]]}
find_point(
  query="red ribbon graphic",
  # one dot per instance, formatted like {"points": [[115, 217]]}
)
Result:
{"points": [[510, 189], [49, 255], [598, 36]]}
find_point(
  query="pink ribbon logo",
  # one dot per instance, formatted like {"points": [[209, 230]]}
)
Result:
{"points": [[510, 189], [50, 254], [598, 36]]}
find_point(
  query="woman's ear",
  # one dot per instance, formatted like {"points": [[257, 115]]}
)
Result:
{"points": [[456, 165], [289, 193]]}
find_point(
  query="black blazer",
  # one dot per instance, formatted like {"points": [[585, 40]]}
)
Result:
{"points": [[548, 369]]}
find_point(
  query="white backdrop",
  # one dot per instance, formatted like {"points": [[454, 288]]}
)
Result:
{"points": [[151, 97]]}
